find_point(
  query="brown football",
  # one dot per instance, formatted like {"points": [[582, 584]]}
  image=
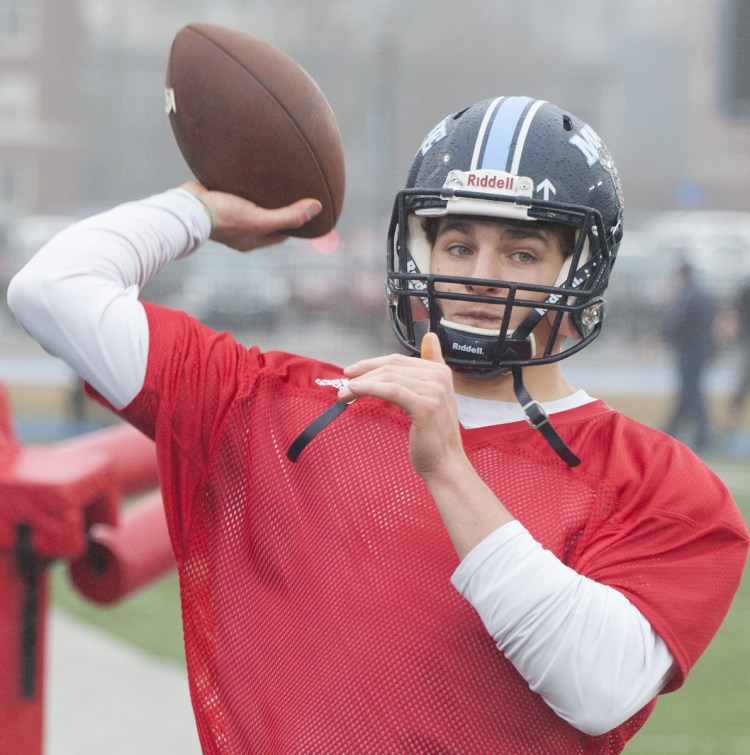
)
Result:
{"points": [[249, 120]]}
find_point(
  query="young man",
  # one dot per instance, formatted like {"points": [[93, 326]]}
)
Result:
{"points": [[474, 556], [690, 329]]}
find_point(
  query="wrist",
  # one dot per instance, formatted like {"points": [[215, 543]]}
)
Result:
{"points": [[206, 207], [447, 473]]}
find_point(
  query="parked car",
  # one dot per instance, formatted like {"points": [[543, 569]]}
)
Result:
{"points": [[228, 290], [716, 243]]}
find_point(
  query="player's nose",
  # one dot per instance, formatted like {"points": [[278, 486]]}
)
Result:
{"points": [[486, 267]]}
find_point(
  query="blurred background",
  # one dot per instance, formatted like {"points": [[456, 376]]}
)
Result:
{"points": [[83, 126], [666, 83]]}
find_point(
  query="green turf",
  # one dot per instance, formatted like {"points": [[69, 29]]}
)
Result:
{"points": [[148, 619], [710, 714]]}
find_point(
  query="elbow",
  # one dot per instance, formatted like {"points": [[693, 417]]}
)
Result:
{"points": [[596, 710], [592, 721], [21, 296], [596, 723], [28, 300]]}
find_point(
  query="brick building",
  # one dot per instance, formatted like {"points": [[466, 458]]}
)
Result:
{"points": [[40, 106]]}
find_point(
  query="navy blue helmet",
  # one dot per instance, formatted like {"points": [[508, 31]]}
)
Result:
{"points": [[525, 161]]}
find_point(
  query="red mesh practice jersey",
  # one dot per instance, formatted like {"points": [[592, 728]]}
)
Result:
{"points": [[318, 611]]}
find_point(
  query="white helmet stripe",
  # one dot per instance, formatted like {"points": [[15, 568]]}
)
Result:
{"points": [[521, 141]]}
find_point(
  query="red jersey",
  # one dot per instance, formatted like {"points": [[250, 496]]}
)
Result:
{"points": [[318, 610]]}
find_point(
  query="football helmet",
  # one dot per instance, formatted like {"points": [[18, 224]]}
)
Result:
{"points": [[525, 161], [518, 160]]}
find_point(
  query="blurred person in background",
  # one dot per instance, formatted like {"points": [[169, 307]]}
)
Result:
{"points": [[741, 335], [689, 329]]}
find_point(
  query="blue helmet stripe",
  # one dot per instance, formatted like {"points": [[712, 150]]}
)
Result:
{"points": [[494, 153]]}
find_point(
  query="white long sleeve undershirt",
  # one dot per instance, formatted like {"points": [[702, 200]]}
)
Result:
{"points": [[78, 296], [581, 645]]}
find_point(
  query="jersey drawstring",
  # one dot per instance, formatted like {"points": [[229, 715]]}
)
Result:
{"points": [[321, 422], [535, 416]]}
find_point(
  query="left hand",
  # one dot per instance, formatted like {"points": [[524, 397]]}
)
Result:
{"points": [[423, 388]]}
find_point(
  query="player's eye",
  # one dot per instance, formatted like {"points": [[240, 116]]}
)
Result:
{"points": [[459, 250]]}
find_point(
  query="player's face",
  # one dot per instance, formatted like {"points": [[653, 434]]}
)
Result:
{"points": [[493, 250]]}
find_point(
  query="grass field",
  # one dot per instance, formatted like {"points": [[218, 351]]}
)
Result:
{"points": [[709, 715]]}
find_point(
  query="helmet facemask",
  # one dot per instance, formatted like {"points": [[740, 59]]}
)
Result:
{"points": [[572, 308]]}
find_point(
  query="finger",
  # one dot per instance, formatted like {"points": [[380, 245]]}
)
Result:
{"points": [[368, 365], [407, 391], [289, 217], [430, 349], [233, 211], [417, 376], [194, 187]]}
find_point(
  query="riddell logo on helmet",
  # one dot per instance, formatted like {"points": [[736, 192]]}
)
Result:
{"points": [[466, 347], [490, 180]]}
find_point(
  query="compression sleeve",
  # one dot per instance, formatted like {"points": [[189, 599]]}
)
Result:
{"points": [[581, 645], [78, 296]]}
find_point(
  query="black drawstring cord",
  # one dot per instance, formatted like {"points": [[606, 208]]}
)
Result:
{"points": [[303, 439], [537, 418], [535, 415]]}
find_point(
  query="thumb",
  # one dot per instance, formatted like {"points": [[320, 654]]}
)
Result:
{"points": [[294, 215], [430, 348]]}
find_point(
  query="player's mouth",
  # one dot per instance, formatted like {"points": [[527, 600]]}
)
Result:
{"points": [[478, 319]]}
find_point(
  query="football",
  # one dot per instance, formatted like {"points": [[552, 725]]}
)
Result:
{"points": [[249, 120]]}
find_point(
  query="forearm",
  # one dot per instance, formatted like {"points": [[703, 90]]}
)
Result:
{"points": [[468, 507], [78, 297], [581, 645]]}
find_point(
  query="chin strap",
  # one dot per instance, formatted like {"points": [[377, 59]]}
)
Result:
{"points": [[537, 418]]}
